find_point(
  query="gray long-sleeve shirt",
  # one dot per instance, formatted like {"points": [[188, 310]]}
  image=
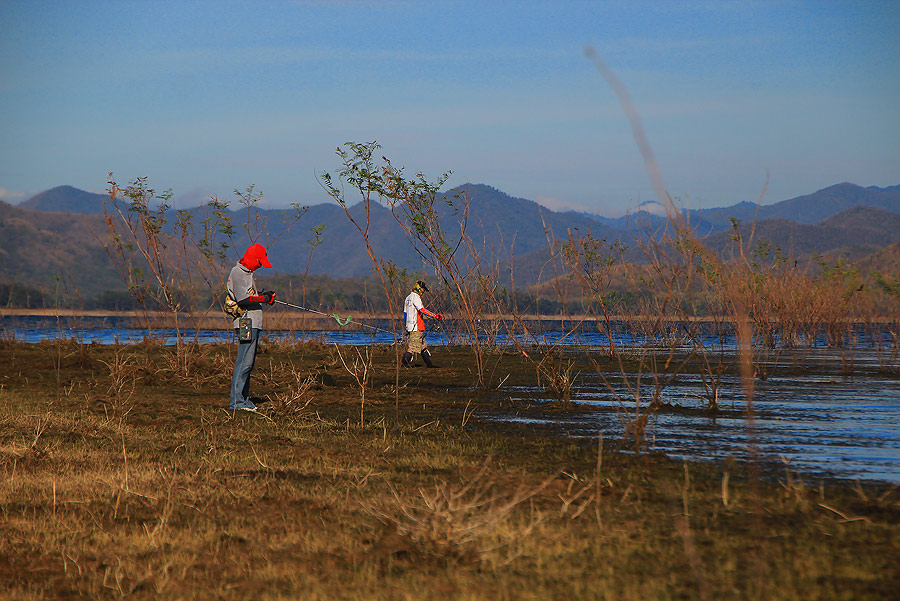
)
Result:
{"points": [[242, 286]]}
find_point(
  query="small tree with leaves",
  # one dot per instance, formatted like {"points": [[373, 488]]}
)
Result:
{"points": [[169, 259]]}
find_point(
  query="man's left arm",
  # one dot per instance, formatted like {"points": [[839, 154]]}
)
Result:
{"points": [[436, 316]]}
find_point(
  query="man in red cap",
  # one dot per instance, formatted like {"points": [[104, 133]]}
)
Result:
{"points": [[248, 323]]}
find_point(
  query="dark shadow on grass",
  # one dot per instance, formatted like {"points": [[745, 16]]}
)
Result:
{"points": [[278, 474]]}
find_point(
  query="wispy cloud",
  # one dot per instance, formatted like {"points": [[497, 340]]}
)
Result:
{"points": [[206, 57], [13, 196], [556, 204]]}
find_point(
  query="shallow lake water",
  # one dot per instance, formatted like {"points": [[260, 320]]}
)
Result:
{"points": [[121, 330], [818, 423]]}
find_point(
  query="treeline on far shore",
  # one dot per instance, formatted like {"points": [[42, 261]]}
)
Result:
{"points": [[18, 296], [321, 292]]}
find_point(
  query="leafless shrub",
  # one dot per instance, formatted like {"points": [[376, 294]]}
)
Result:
{"points": [[555, 374], [189, 362], [296, 397], [886, 339], [472, 518]]}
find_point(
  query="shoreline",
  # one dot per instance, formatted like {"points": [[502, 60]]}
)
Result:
{"points": [[157, 316]]}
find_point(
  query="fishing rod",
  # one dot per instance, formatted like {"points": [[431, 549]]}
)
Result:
{"points": [[341, 321]]}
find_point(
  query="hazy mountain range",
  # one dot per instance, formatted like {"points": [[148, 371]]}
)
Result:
{"points": [[809, 209], [58, 234]]}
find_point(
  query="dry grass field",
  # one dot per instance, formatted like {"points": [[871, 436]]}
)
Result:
{"points": [[123, 476]]}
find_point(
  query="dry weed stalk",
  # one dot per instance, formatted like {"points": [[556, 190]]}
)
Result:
{"points": [[162, 522], [361, 370], [576, 500], [122, 377], [674, 257]]}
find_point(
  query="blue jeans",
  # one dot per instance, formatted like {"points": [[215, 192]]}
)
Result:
{"points": [[240, 380]]}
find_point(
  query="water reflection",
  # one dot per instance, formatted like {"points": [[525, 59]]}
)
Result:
{"points": [[814, 424]]}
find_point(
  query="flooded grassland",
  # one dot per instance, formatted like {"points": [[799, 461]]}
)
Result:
{"points": [[122, 475]]}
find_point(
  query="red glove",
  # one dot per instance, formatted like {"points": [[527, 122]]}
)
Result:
{"points": [[266, 297], [439, 317]]}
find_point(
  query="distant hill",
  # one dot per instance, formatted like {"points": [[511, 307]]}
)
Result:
{"points": [[342, 252], [852, 233], [66, 199], [496, 223], [808, 209], [498, 220], [833, 200], [884, 260], [863, 234], [494, 206], [37, 245]]}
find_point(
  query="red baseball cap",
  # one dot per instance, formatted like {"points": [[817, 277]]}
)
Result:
{"points": [[256, 252]]}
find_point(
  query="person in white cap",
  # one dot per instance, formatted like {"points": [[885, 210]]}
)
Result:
{"points": [[413, 310]]}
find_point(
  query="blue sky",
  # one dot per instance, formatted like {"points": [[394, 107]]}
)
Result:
{"points": [[206, 97]]}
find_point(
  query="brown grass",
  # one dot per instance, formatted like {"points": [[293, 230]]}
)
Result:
{"points": [[122, 476]]}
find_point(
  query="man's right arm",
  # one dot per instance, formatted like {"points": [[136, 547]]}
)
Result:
{"points": [[267, 297]]}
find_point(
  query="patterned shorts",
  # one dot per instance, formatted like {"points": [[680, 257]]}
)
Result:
{"points": [[416, 341]]}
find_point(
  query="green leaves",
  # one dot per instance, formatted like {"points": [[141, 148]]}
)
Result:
{"points": [[889, 284], [317, 235]]}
